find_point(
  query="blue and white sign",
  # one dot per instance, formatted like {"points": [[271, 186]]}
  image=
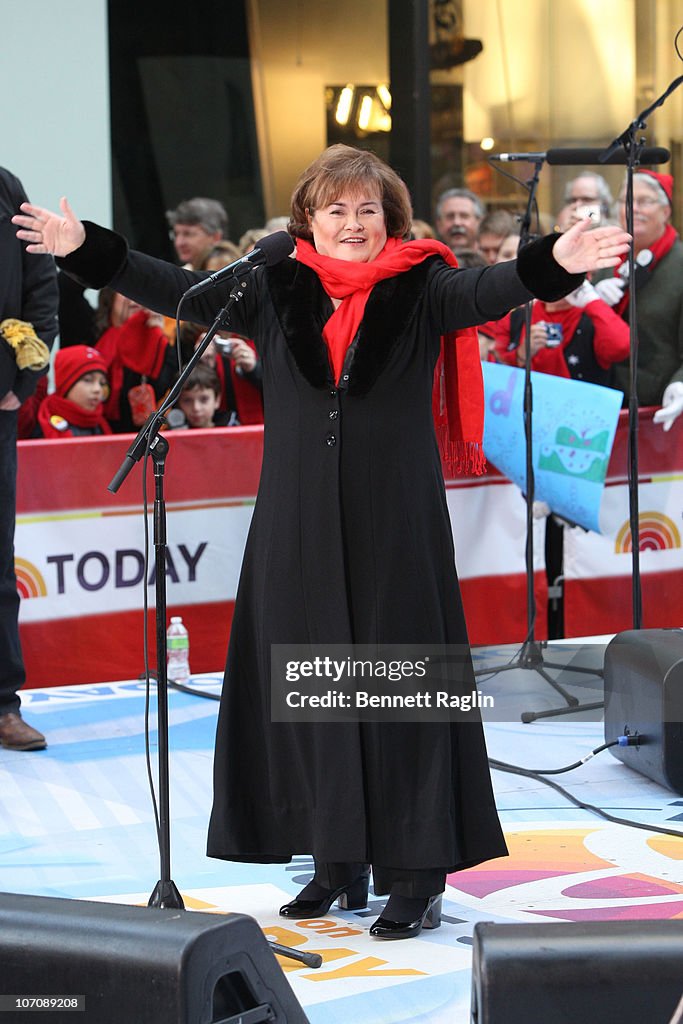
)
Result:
{"points": [[573, 425]]}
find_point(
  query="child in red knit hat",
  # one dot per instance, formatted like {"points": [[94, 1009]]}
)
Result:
{"points": [[75, 409]]}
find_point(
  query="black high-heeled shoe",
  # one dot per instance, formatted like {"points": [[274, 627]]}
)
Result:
{"points": [[353, 896], [430, 917]]}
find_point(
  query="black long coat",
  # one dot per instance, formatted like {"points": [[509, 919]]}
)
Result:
{"points": [[350, 542]]}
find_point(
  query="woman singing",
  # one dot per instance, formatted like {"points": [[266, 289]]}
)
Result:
{"points": [[350, 541]]}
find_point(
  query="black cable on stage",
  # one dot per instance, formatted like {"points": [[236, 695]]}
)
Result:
{"points": [[194, 693], [576, 764], [513, 769]]}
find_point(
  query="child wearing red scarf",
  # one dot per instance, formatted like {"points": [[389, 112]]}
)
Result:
{"points": [[76, 408]]}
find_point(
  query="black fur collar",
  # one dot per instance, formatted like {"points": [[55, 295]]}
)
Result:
{"points": [[302, 308]]}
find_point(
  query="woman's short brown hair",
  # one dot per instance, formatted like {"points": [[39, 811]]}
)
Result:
{"points": [[340, 169]]}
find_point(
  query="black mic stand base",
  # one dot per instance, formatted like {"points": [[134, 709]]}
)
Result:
{"points": [[573, 704], [531, 657], [531, 716], [166, 896]]}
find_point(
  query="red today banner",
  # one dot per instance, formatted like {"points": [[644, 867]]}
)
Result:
{"points": [[80, 552]]}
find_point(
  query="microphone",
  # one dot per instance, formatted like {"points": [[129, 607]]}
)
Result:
{"points": [[569, 157], [581, 157], [271, 250], [509, 157]]}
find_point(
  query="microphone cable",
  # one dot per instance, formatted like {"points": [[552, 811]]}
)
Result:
{"points": [[539, 775]]}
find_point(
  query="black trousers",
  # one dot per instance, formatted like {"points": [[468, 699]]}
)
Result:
{"points": [[12, 672], [417, 883]]}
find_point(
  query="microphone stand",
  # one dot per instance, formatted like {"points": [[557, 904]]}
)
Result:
{"points": [[530, 655], [634, 148], [166, 894]]}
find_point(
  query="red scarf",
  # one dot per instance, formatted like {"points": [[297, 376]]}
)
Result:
{"points": [[134, 346], [458, 393], [57, 415], [659, 250]]}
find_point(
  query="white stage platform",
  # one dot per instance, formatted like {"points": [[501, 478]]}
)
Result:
{"points": [[77, 822]]}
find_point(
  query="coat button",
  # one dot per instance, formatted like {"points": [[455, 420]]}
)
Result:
{"points": [[333, 394], [331, 440], [333, 413], [345, 377]]}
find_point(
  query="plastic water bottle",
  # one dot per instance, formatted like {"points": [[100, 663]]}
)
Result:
{"points": [[178, 648]]}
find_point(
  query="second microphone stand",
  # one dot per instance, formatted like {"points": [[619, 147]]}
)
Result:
{"points": [[633, 148], [530, 655]]}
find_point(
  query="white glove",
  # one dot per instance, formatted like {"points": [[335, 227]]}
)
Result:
{"points": [[672, 405], [582, 295], [611, 290]]}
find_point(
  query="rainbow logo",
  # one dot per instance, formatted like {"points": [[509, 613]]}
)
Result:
{"points": [[657, 533], [30, 582]]}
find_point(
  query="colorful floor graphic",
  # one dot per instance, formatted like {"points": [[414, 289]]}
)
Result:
{"points": [[77, 822]]}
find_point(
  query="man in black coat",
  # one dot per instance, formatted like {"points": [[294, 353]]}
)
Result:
{"points": [[28, 292]]}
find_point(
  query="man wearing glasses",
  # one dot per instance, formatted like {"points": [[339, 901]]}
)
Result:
{"points": [[587, 192], [196, 225]]}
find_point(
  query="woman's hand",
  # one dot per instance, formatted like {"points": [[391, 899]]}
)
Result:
{"points": [[46, 231], [583, 248]]}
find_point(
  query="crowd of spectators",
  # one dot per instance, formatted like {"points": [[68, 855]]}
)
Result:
{"points": [[585, 336], [126, 357]]}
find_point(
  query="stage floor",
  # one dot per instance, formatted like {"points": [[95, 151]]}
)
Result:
{"points": [[77, 822]]}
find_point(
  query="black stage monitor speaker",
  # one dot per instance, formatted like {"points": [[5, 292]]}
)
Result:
{"points": [[602, 971], [137, 965], [644, 700]]}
